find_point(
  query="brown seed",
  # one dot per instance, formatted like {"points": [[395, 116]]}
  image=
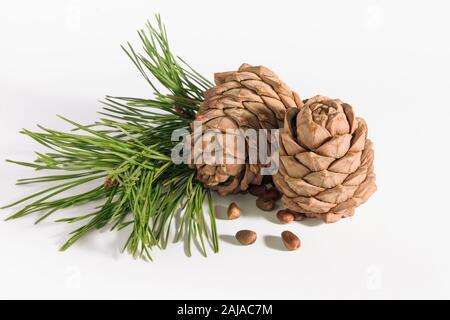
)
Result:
{"points": [[179, 110], [234, 211], [272, 194], [290, 240], [109, 183], [246, 237], [257, 191], [266, 205], [285, 216]]}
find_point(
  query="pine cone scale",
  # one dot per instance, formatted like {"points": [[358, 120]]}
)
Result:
{"points": [[252, 97], [328, 167]]}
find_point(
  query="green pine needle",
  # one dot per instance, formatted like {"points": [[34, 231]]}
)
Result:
{"points": [[126, 156]]}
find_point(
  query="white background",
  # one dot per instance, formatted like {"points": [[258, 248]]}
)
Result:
{"points": [[389, 59]]}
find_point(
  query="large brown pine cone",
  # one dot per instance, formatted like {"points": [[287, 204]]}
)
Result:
{"points": [[326, 160], [252, 97]]}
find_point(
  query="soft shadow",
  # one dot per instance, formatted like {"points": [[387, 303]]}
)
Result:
{"points": [[229, 239], [274, 242], [118, 246], [193, 246], [272, 217], [221, 212], [311, 222], [177, 222], [249, 209]]}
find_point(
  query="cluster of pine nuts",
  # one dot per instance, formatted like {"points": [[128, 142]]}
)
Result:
{"points": [[266, 199]]}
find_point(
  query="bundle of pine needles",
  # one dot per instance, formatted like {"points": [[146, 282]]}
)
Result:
{"points": [[127, 155]]}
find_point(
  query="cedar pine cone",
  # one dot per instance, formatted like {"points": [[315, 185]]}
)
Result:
{"points": [[326, 160], [252, 97]]}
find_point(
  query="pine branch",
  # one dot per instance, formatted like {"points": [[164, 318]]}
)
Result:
{"points": [[171, 72], [126, 154]]}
